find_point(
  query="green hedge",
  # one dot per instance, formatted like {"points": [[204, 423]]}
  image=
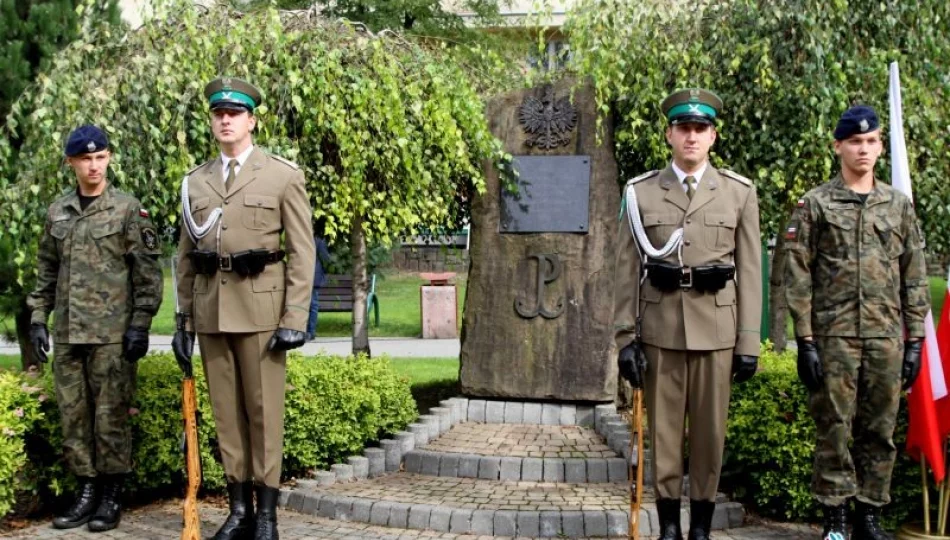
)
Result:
{"points": [[770, 443], [335, 406]]}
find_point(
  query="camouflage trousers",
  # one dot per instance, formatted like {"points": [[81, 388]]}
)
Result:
{"points": [[858, 404], [94, 387]]}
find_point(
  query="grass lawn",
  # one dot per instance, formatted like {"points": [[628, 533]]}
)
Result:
{"points": [[10, 361], [399, 312]]}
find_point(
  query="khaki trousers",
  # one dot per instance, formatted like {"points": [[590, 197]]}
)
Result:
{"points": [[246, 383], [693, 385]]}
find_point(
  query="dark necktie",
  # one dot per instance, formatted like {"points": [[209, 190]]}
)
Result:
{"points": [[232, 172], [690, 186]]}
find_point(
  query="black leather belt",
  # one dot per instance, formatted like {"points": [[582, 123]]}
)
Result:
{"points": [[226, 263]]}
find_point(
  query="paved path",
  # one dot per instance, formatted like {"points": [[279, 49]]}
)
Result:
{"points": [[342, 346], [163, 521]]}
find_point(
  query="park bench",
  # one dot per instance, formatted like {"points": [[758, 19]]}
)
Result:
{"points": [[336, 296]]}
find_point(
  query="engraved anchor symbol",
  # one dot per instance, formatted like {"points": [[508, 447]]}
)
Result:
{"points": [[549, 269]]}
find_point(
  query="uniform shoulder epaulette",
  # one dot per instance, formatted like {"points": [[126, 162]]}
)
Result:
{"points": [[736, 176], [196, 167], [642, 177], [285, 161]]}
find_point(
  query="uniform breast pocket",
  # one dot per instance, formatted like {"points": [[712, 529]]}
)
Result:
{"points": [[889, 234], [720, 231], [260, 212], [839, 232], [199, 209], [109, 240], [60, 231], [659, 227]]}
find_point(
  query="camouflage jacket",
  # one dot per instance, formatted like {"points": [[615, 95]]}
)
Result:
{"points": [[99, 269], [856, 269]]}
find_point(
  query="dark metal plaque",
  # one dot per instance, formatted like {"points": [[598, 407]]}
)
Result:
{"points": [[553, 195]]}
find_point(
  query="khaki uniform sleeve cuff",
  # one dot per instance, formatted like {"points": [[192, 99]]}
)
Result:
{"points": [[295, 318], [748, 344], [39, 317]]}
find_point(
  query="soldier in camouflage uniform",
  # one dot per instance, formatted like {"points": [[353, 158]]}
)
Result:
{"points": [[857, 288], [98, 271]]}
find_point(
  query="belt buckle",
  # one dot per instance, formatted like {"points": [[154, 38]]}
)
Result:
{"points": [[224, 263], [686, 280]]}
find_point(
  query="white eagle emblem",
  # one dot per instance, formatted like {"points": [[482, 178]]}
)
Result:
{"points": [[864, 125], [91, 146]]}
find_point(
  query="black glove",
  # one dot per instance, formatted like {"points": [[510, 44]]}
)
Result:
{"points": [[633, 364], [134, 343], [183, 345], [39, 339], [911, 367], [285, 339], [744, 367], [809, 365]]}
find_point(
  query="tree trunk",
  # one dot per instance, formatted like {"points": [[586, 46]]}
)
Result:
{"points": [[778, 314], [360, 288], [23, 337]]}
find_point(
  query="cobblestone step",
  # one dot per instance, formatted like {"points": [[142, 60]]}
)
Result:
{"points": [[487, 507], [515, 452]]}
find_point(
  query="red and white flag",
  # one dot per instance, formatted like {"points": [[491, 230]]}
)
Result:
{"points": [[926, 430], [943, 348]]}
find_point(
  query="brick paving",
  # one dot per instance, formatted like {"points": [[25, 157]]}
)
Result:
{"points": [[486, 494], [163, 521], [522, 440]]}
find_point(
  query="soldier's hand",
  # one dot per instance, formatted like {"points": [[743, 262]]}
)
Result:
{"points": [[285, 339], [632, 364], [39, 339], [134, 343], [809, 365], [183, 345], [744, 367], [911, 367]]}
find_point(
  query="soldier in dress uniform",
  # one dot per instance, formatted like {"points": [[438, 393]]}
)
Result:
{"points": [[98, 270], [245, 270], [688, 304], [856, 284]]}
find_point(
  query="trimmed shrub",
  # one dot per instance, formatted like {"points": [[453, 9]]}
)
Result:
{"points": [[335, 406]]}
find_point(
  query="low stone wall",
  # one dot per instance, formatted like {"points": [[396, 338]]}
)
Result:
{"points": [[430, 259]]}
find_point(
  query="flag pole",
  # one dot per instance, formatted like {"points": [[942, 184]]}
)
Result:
{"points": [[926, 491]]}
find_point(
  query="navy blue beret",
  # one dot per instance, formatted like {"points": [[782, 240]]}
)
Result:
{"points": [[86, 140], [857, 119]]}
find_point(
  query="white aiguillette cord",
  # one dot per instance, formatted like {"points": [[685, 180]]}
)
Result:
{"points": [[196, 231], [675, 243]]}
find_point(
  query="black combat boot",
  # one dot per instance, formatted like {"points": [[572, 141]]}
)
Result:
{"points": [[668, 511], [700, 519], [266, 513], [109, 513], [240, 522], [867, 524], [836, 523], [87, 500]]}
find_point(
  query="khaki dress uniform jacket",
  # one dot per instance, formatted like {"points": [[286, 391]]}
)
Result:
{"points": [[234, 316], [689, 337]]}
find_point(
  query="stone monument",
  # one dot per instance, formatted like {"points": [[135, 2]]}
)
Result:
{"points": [[538, 318]]}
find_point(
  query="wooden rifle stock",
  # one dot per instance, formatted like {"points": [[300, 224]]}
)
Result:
{"points": [[636, 476], [189, 405]]}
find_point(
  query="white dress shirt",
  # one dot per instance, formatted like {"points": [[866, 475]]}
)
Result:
{"points": [[240, 163], [697, 175]]}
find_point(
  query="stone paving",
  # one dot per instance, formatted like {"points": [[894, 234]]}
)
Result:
{"points": [[486, 494], [521, 440], [163, 521]]}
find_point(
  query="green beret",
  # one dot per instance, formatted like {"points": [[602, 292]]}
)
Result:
{"points": [[232, 93], [691, 105]]}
